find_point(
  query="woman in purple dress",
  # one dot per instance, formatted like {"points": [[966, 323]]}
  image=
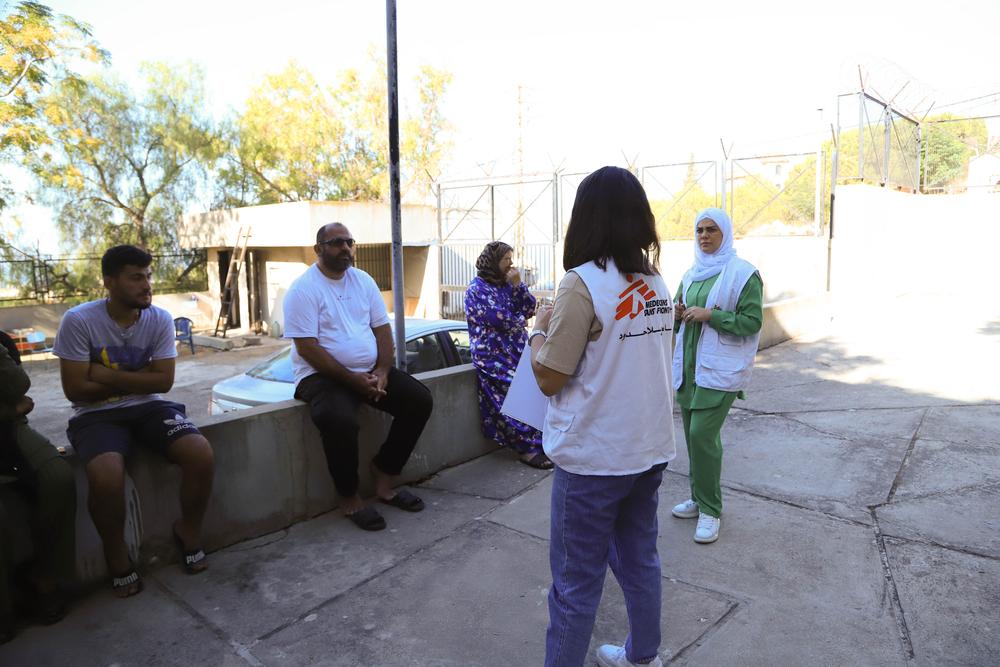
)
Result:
{"points": [[497, 305]]}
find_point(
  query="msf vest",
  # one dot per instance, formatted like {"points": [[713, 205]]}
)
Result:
{"points": [[614, 416], [725, 361]]}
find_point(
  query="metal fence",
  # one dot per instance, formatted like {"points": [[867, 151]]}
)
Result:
{"points": [[767, 195], [778, 194], [877, 143], [784, 193], [27, 279], [677, 191], [523, 212], [958, 158]]}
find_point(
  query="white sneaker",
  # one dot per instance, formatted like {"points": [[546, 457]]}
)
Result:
{"points": [[685, 510], [707, 530], [610, 655]]}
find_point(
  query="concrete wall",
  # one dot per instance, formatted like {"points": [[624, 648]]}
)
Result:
{"points": [[791, 318], [271, 471], [294, 224], [43, 317], [281, 267], [791, 266], [905, 242], [201, 307]]}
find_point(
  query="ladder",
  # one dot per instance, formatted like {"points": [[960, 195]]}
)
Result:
{"points": [[235, 266]]}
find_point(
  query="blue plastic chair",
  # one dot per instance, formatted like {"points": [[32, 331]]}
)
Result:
{"points": [[183, 331], [36, 340]]}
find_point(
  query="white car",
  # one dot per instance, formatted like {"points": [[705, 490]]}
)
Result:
{"points": [[430, 345]]}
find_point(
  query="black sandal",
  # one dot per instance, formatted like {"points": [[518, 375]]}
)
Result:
{"points": [[126, 580], [193, 561], [405, 501], [367, 518], [539, 461]]}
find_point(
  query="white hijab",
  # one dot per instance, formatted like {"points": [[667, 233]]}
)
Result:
{"points": [[705, 265]]}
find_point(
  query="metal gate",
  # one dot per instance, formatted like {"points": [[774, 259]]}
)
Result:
{"points": [[522, 212]]}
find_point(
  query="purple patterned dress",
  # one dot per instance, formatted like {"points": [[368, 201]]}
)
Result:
{"points": [[497, 317]]}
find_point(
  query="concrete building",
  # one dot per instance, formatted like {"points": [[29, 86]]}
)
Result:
{"points": [[280, 248]]}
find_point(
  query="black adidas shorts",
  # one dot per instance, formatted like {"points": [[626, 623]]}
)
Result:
{"points": [[154, 425]]}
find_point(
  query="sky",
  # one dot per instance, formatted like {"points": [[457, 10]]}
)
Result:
{"points": [[646, 81]]}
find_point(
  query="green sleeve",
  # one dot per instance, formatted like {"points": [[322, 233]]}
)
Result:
{"points": [[748, 317], [677, 299]]}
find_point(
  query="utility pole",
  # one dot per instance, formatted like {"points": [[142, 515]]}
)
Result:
{"points": [[519, 224], [397, 222]]}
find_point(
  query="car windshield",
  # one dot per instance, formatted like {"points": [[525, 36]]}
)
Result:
{"points": [[278, 368]]}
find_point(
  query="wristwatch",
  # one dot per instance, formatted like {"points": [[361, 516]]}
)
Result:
{"points": [[536, 332]]}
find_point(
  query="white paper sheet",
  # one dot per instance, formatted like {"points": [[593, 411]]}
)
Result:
{"points": [[525, 402]]}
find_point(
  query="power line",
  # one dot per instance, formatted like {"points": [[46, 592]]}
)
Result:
{"points": [[971, 99]]}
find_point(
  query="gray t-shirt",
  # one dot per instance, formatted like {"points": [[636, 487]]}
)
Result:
{"points": [[87, 333]]}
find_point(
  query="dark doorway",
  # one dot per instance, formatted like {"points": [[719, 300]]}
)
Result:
{"points": [[225, 257], [255, 289]]}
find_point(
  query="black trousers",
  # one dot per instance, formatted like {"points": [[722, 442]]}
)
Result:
{"points": [[334, 411]]}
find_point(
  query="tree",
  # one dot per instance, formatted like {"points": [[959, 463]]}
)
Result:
{"points": [[948, 145], [37, 50], [120, 168], [675, 216], [286, 144], [296, 140], [755, 203]]}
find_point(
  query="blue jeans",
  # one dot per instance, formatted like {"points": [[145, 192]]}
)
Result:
{"points": [[596, 521]]}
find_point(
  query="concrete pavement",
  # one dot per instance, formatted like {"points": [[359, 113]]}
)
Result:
{"points": [[862, 481]]}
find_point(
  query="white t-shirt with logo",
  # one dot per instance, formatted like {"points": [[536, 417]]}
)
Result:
{"points": [[340, 314]]}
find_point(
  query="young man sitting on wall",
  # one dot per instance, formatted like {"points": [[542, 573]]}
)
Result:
{"points": [[117, 356]]}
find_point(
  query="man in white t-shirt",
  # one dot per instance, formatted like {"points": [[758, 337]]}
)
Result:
{"points": [[342, 357]]}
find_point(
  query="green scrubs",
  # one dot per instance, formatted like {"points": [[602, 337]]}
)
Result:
{"points": [[704, 410]]}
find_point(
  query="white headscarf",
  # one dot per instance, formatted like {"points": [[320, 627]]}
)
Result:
{"points": [[708, 265]]}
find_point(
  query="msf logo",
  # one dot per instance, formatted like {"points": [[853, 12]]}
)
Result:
{"points": [[634, 298]]}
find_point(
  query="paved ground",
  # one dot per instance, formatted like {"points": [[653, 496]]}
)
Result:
{"points": [[862, 481]]}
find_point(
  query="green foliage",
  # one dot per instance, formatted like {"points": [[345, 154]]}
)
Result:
{"points": [[945, 151], [754, 202], [37, 50], [120, 168], [948, 147], [675, 216], [296, 140]]}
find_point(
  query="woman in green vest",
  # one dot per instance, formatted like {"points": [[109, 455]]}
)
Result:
{"points": [[718, 316]]}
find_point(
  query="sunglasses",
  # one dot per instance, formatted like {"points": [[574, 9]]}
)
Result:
{"points": [[339, 242]]}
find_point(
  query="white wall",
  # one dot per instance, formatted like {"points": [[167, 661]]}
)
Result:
{"points": [[909, 242], [791, 266], [294, 224]]}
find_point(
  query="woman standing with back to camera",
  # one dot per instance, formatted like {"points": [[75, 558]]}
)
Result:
{"points": [[720, 312], [602, 355]]}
